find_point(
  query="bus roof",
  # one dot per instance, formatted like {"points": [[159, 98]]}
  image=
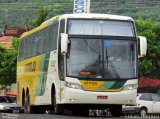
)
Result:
{"points": [[82, 16], [97, 16]]}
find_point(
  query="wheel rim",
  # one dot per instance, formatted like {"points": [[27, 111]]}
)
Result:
{"points": [[143, 112]]}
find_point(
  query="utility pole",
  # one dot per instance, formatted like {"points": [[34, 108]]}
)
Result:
{"points": [[88, 5]]}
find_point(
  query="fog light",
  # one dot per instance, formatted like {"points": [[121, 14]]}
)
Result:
{"points": [[129, 101], [72, 100]]}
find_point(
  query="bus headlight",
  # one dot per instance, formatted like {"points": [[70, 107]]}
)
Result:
{"points": [[130, 87], [73, 85]]}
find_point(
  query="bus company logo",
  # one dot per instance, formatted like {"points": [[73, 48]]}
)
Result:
{"points": [[90, 83], [53, 63]]}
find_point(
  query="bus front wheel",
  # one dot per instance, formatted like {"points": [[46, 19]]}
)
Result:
{"points": [[58, 108], [116, 110]]}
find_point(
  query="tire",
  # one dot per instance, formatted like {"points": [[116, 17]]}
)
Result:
{"points": [[116, 110], [143, 112], [58, 109], [80, 112], [27, 107], [76, 112], [23, 103], [85, 112]]}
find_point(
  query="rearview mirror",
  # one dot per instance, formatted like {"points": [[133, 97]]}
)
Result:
{"points": [[142, 46], [64, 43]]}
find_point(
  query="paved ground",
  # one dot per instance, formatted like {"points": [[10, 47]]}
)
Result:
{"points": [[48, 116], [68, 116]]}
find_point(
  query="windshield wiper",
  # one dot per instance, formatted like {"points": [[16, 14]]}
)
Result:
{"points": [[112, 65], [97, 52]]}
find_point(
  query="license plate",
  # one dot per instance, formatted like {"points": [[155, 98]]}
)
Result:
{"points": [[102, 97], [15, 111]]}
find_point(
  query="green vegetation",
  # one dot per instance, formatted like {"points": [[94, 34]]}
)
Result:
{"points": [[22, 12], [40, 17], [8, 61], [150, 65], [15, 13], [133, 8]]}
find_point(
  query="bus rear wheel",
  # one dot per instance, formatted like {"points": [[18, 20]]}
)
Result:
{"points": [[27, 107]]}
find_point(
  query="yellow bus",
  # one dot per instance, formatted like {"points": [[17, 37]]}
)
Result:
{"points": [[79, 62]]}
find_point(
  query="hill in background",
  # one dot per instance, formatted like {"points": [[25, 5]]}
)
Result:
{"points": [[14, 13]]}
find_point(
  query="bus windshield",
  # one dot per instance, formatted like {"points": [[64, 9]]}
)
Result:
{"points": [[100, 27], [101, 58]]}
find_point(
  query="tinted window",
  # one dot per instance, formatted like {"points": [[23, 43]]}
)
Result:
{"points": [[100, 27], [21, 55], [155, 97], [53, 32], [60, 56], [39, 42], [145, 97], [47, 41], [62, 26], [5, 100]]}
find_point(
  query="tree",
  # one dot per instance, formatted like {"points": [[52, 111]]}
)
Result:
{"points": [[150, 65], [40, 16], [8, 64], [2, 50]]}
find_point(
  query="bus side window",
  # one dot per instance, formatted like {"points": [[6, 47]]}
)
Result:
{"points": [[20, 56], [25, 48], [53, 36], [47, 40], [41, 42]]}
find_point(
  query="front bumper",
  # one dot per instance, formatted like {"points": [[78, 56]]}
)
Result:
{"points": [[77, 96]]}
